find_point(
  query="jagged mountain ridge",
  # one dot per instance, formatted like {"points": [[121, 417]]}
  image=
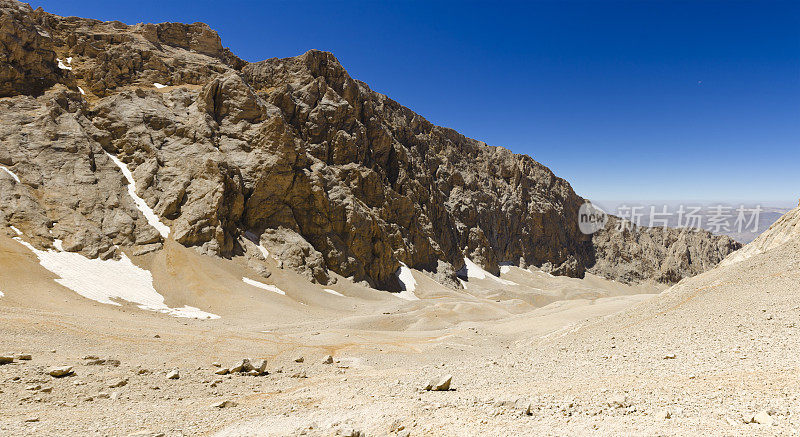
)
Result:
{"points": [[291, 153]]}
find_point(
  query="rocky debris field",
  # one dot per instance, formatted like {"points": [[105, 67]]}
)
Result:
{"points": [[679, 363]]}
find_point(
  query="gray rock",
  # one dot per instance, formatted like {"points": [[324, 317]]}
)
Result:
{"points": [[618, 401], [243, 366], [147, 434], [762, 417], [224, 404], [440, 383], [118, 383], [60, 372], [663, 415], [259, 366]]}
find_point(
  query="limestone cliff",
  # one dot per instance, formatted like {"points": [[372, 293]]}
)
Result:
{"points": [[291, 154]]}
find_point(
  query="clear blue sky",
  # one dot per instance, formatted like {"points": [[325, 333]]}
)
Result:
{"points": [[626, 100]]}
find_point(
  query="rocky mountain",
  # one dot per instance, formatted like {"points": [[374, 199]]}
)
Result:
{"points": [[785, 230], [290, 158]]}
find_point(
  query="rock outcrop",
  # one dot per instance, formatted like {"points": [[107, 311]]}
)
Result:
{"points": [[783, 231], [328, 174], [637, 254]]}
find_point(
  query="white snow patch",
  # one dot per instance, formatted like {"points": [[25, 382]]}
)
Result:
{"points": [[83, 93], [263, 286], [16, 231], [64, 66], [148, 212], [106, 280], [333, 292], [69, 60], [10, 173], [504, 269], [159, 85], [472, 270], [463, 283], [58, 244], [409, 283]]}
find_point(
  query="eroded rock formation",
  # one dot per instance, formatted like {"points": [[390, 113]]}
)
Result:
{"points": [[329, 174]]}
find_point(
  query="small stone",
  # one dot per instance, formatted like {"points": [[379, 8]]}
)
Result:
{"points": [[146, 434], [31, 419], [618, 401], [118, 383], [103, 395], [216, 364], [441, 383], [6, 359], [349, 432], [327, 360], [260, 366], [46, 389], [222, 371], [91, 357], [299, 360], [244, 366], [301, 374], [670, 356], [24, 357], [33, 387], [60, 372], [763, 418], [663, 415], [173, 374], [224, 404], [523, 406]]}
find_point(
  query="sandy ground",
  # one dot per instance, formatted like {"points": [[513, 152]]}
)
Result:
{"points": [[532, 355]]}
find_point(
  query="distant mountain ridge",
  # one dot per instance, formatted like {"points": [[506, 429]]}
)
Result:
{"points": [[290, 158]]}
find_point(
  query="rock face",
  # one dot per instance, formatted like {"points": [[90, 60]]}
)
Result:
{"points": [[661, 255], [329, 175]]}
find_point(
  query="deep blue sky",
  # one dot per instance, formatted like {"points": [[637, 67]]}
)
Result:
{"points": [[626, 100]]}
